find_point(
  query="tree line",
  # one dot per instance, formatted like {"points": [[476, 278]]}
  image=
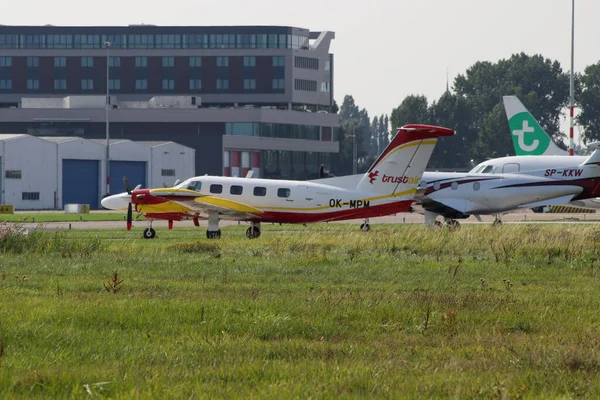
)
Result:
{"points": [[474, 108]]}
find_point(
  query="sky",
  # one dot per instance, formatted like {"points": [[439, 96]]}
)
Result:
{"points": [[384, 50]]}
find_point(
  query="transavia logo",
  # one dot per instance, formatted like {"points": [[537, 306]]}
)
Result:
{"points": [[528, 137], [373, 176], [520, 134]]}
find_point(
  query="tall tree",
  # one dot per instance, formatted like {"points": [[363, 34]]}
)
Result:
{"points": [[374, 136], [412, 110], [384, 133], [588, 97]]}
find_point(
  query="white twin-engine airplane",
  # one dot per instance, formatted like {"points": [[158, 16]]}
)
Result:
{"points": [[387, 188]]}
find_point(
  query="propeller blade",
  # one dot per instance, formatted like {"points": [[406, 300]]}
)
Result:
{"points": [[129, 217], [127, 187]]}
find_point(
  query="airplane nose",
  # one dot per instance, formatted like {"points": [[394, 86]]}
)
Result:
{"points": [[117, 201]]}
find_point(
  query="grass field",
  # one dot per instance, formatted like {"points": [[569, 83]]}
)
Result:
{"points": [[320, 312]]}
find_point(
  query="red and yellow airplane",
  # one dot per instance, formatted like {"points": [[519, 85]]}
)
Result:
{"points": [[386, 188]]}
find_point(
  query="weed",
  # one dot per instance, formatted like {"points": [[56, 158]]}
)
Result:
{"points": [[113, 285]]}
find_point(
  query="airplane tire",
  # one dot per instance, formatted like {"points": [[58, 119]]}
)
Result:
{"points": [[453, 224], [497, 223], [365, 227], [213, 234], [149, 233], [253, 232]]}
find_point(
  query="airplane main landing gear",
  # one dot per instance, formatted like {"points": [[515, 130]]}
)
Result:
{"points": [[213, 231], [452, 223], [365, 227], [213, 234], [497, 222], [254, 231]]}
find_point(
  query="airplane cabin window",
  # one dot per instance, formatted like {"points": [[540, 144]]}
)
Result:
{"points": [[283, 192], [216, 188], [260, 191], [235, 189]]}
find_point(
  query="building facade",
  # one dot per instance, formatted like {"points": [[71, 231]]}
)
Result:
{"points": [[244, 97]]}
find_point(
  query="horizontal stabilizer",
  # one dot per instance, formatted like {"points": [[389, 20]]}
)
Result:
{"points": [[594, 158]]}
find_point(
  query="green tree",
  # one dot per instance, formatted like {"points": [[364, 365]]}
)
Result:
{"points": [[588, 97], [384, 133], [412, 110]]}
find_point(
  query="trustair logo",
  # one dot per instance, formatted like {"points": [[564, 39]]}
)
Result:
{"points": [[373, 176]]}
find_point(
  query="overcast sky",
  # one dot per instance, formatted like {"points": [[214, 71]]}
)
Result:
{"points": [[384, 49]]}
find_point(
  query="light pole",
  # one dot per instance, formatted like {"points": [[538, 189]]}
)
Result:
{"points": [[107, 44]]}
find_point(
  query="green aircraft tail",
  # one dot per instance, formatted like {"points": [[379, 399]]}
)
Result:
{"points": [[529, 139]]}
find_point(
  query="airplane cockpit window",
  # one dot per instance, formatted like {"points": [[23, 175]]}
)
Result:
{"points": [[477, 169], [195, 185], [487, 169], [183, 184]]}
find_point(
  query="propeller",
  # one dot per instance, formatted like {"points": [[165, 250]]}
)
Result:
{"points": [[129, 210]]}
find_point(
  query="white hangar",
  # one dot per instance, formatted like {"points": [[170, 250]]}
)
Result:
{"points": [[42, 173]]}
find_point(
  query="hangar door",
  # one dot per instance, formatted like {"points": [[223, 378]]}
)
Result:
{"points": [[135, 171], [80, 182]]}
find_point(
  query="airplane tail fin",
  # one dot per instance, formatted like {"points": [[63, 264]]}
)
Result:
{"points": [[400, 166], [594, 158], [529, 139]]}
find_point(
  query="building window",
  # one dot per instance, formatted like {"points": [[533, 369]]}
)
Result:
{"points": [[60, 84], [195, 41], [236, 190], [168, 84], [285, 193], [114, 61], [279, 61], [222, 41], [5, 61], [195, 62], [272, 40], [141, 84], [246, 41], [305, 85], [167, 41], [261, 41], [216, 188], [12, 174], [5, 84], [9, 41], [195, 84], [33, 62], [33, 84], [33, 41], [306, 63], [60, 62], [278, 84], [222, 61], [168, 62], [87, 61], [249, 61], [324, 86], [141, 62], [59, 41], [222, 84], [167, 172], [114, 84], [249, 84], [87, 41], [30, 195], [87, 84], [260, 191], [141, 41]]}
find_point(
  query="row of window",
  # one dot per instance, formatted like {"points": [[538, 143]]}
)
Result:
{"points": [[237, 190], [264, 129], [306, 62], [141, 84], [305, 85], [154, 41], [140, 61]]}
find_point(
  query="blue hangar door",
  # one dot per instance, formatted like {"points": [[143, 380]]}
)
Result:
{"points": [[135, 171], [80, 182]]}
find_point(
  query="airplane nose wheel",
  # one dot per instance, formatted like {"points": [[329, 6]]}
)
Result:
{"points": [[253, 232], [149, 233], [365, 227]]}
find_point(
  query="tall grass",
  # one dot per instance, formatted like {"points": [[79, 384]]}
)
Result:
{"points": [[325, 311]]}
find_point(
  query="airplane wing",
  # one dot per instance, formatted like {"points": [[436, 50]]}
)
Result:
{"points": [[203, 204]]}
